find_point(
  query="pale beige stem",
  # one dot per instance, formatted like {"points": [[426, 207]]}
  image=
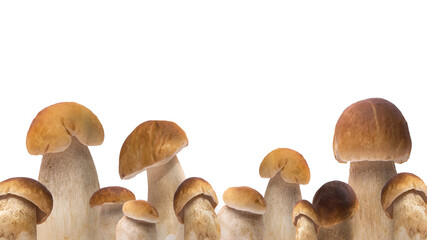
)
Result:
{"points": [[339, 231], [130, 229], [18, 219], [240, 225], [305, 229], [200, 220], [109, 214], [410, 217], [281, 198]]}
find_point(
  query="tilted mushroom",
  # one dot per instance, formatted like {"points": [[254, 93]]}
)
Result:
{"points": [[404, 199], [194, 203], [139, 221], [241, 217], [24, 203], [153, 146], [372, 134], [286, 169], [108, 202], [335, 203], [305, 220]]}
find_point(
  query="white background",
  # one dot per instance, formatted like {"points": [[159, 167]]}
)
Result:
{"points": [[240, 77]]}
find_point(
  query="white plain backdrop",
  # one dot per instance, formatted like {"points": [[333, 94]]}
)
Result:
{"points": [[241, 78]]}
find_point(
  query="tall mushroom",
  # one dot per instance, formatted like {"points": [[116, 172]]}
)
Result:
{"points": [[404, 199], [286, 169], [305, 219], [372, 134], [194, 203], [153, 146], [24, 203], [241, 217], [61, 133], [108, 202]]}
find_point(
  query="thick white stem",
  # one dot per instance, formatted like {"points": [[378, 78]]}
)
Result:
{"points": [[163, 181], [109, 214], [337, 232], [305, 229], [72, 179], [240, 225], [130, 229], [18, 219], [281, 198], [367, 178], [200, 220], [410, 217]]}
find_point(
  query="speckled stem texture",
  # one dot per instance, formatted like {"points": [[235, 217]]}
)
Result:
{"points": [[306, 229], [109, 214], [240, 225], [130, 229], [410, 217], [337, 232], [200, 220], [17, 219]]}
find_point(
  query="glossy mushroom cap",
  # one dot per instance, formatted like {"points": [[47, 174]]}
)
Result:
{"points": [[150, 144], [141, 210], [189, 189], [111, 195], [245, 199], [292, 166], [31, 190], [372, 130], [398, 185], [304, 207]]}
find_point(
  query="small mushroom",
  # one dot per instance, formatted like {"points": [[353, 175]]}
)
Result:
{"points": [[305, 219], [139, 221], [24, 203], [241, 217], [404, 199], [194, 203], [153, 146], [108, 202], [286, 169]]}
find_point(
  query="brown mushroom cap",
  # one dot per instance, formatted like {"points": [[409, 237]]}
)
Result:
{"points": [[398, 185], [245, 199], [335, 202], [111, 195], [372, 130], [31, 190], [150, 144], [141, 210], [53, 127], [304, 207], [292, 166], [189, 189]]}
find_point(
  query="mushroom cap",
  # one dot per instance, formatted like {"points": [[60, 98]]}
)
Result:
{"points": [[110, 195], [191, 188], [53, 127], [245, 199], [335, 202], [150, 144], [141, 210], [372, 130], [31, 190], [292, 166], [304, 207], [398, 185]]}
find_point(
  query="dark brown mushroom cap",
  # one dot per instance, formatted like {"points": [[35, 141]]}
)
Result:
{"points": [[111, 195], [305, 208], [245, 199], [141, 210]]}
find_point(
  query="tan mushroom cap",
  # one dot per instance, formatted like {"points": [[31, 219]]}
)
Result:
{"points": [[245, 199], [111, 195], [31, 190], [141, 210], [335, 202], [398, 185], [292, 166], [372, 130], [53, 127], [304, 207], [189, 189], [150, 144]]}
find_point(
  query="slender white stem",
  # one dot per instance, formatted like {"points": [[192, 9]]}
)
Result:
{"points": [[18, 219], [240, 225], [130, 229], [200, 220], [410, 217], [306, 229]]}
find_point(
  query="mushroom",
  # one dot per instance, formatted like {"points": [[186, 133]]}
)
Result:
{"points": [[335, 203], [241, 217], [194, 203], [139, 221], [24, 203], [61, 133], [305, 219], [372, 134], [286, 169], [404, 199], [108, 202], [153, 145]]}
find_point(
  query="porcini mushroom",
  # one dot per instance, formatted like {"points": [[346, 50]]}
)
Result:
{"points": [[24, 203], [109, 202], [61, 133], [286, 169], [372, 134], [153, 146], [139, 221], [404, 199], [305, 220], [241, 217], [194, 203]]}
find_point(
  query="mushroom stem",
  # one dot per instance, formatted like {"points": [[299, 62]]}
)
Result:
{"points": [[339, 231], [281, 198], [200, 220], [71, 177], [130, 229], [163, 180], [109, 214], [240, 225], [305, 229], [367, 178], [18, 219]]}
